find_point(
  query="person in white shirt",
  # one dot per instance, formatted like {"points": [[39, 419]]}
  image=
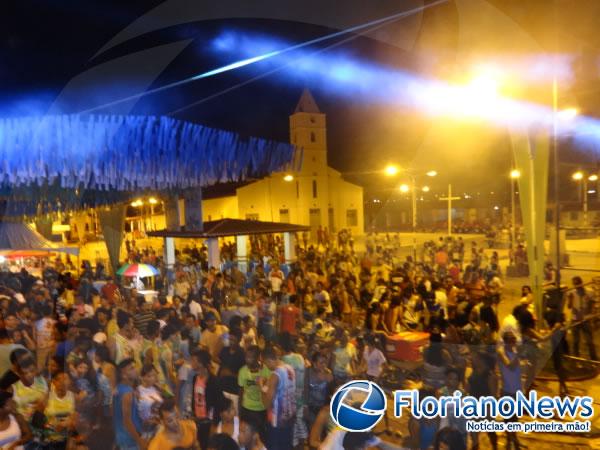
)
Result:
{"points": [[441, 299], [195, 308], [276, 279], [321, 296], [14, 432], [511, 324], [374, 359]]}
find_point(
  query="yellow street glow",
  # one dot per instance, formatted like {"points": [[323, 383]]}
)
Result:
{"points": [[391, 170], [404, 188], [593, 177], [515, 173], [577, 175], [288, 177], [425, 188], [152, 201], [431, 173]]}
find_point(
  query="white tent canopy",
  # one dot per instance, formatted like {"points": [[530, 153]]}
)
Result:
{"points": [[15, 236]]}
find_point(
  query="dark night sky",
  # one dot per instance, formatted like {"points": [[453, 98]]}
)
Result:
{"points": [[48, 43]]}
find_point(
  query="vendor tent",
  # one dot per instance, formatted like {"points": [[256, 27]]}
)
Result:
{"points": [[20, 237]]}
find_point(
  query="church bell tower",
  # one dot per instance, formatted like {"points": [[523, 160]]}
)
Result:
{"points": [[308, 131]]}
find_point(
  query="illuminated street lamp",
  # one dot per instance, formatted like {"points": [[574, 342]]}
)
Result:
{"points": [[584, 178], [577, 176], [289, 177], [391, 170], [404, 188]]}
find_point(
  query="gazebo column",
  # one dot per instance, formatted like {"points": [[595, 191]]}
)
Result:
{"points": [[192, 199], [112, 222], [214, 253], [289, 247], [242, 252], [171, 205]]}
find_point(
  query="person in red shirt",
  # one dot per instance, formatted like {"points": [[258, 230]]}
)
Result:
{"points": [[110, 291], [290, 317], [454, 271]]}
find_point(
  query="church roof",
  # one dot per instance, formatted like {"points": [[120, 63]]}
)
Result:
{"points": [[307, 103]]}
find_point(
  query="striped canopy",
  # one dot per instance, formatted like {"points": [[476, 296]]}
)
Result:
{"points": [[138, 270]]}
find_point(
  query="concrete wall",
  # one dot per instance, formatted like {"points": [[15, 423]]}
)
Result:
{"points": [[220, 208]]}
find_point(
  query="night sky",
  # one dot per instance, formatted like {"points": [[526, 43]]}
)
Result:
{"points": [[48, 44]]}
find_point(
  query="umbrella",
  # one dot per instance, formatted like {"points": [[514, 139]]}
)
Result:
{"points": [[138, 270]]}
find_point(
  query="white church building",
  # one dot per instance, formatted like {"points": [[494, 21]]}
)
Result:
{"points": [[316, 195]]}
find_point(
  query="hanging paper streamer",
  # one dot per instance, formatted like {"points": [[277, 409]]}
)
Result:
{"points": [[129, 153]]}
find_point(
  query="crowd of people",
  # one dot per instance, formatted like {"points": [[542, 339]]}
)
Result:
{"points": [[223, 358]]}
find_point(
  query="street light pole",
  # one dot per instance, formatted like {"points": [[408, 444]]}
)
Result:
{"points": [[584, 178], [449, 210], [514, 174], [585, 201], [513, 233], [414, 217]]}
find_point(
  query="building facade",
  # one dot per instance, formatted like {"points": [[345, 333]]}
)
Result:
{"points": [[315, 195]]}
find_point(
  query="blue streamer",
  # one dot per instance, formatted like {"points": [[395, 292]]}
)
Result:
{"points": [[129, 153]]}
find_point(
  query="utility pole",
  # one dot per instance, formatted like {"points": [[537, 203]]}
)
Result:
{"points": [[414, 217], [585, 201], [449, 200], [513, 227]]}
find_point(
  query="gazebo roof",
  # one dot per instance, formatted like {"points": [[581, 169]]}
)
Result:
{"points": [[232, 227]]}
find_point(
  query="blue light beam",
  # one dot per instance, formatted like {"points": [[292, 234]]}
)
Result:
{"points": [[255, 59], [346, 76]]}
